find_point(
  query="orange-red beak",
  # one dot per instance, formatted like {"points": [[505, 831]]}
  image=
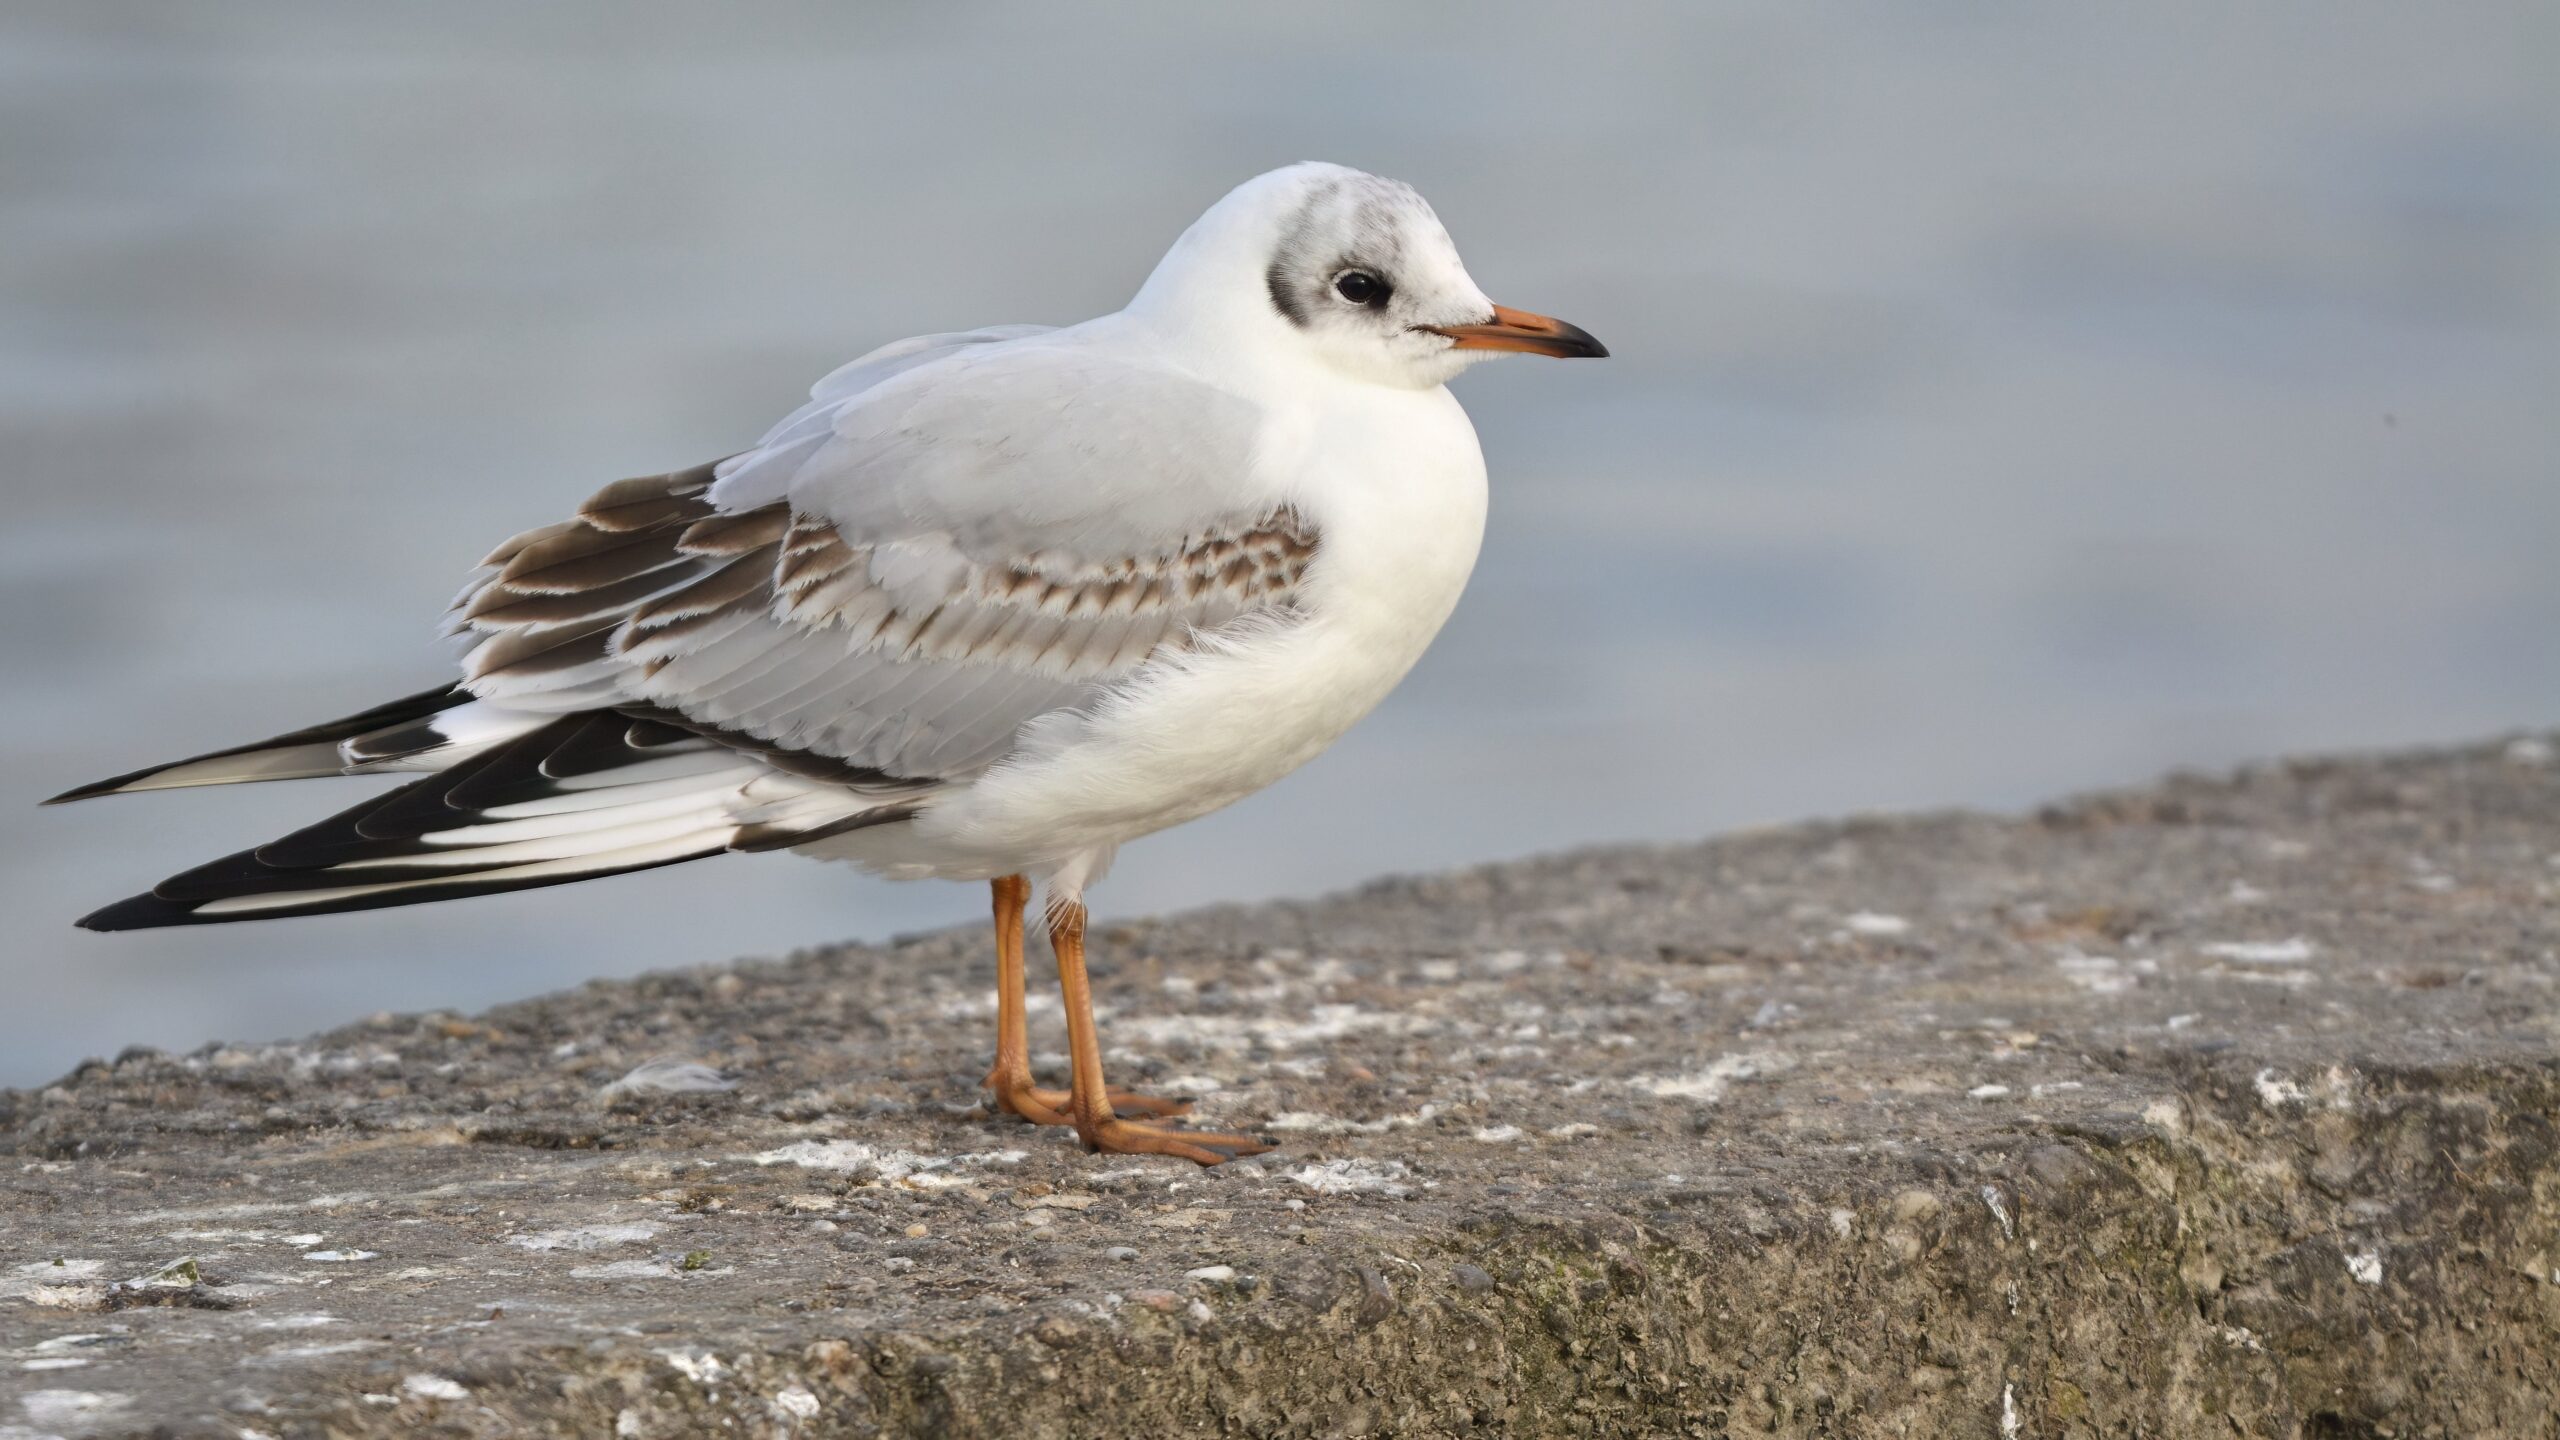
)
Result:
{"points": [[1519, 330]]}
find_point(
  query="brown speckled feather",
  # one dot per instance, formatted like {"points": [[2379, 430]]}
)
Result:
{"points": [[775, 630]]}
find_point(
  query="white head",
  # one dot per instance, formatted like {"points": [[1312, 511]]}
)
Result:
{"points": [[1344, 268]]}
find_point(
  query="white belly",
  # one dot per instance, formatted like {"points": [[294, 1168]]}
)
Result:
{"points": [[1196, 731]]}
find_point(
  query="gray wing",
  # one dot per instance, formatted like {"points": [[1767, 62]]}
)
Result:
{"points": [[863, 617]]}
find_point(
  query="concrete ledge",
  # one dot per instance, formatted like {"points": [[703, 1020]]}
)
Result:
{"points": [[2227, 1107]]}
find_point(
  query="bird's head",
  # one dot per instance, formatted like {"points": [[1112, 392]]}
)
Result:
{"points": [[1348, 269]]}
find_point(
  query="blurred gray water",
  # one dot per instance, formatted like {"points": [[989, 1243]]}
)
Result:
{"points": [[2008, 399]]}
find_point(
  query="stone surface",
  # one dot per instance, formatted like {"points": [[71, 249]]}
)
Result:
{"points": [[2223, 1107]]}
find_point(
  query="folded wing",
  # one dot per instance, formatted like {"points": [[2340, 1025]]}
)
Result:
{"points": [[901, 580]]}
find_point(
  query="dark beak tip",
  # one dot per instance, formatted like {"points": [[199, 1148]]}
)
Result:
{"points": [[1564, 340], [1577, 343]]}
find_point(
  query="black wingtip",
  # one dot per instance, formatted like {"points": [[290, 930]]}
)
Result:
{"points": [[90, 791], [406, 709], [142, 912]]}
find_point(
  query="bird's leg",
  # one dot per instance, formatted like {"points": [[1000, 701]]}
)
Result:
{"points": [[1011, 1077], [1089, 1101]]}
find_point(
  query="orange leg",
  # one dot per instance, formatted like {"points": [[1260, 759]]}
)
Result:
{"points": [[1090, 1101], [1011, 1077]]}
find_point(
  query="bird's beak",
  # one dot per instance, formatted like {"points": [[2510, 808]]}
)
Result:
{"points": [[1519, 330]]}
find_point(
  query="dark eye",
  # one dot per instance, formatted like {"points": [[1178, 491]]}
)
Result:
{"points": [[1362, 288]]}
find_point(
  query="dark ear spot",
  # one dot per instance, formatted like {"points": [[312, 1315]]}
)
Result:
{"points": [[1276, 280]]}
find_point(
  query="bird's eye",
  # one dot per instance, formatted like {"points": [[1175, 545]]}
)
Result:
{"points": [[1361, 288]]}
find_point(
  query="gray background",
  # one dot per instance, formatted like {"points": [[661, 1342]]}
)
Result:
{"points": [[2008, 399]]}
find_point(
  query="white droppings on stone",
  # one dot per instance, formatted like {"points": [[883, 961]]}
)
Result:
{"points": [[702, 1367], [2292, 950], [1710, 1084], [796, 1402], [1771, 1013], [340, 1257], [423, 1386], [1311, 1122], [624, 1270], [2242, 1337], [1869, 922], [2275, 1092], [586, 1237], [2165, 1115], [1498, 1134], [2097, 974], [318, 1352], [671, 1075], [2181, 1022], [1328, 970], [1844, 1222], [2286, 978], [71, 1409], [883, 1165], [1356, 1177], [2365, 1266], [848, 1157], [627, 1424], [65, 1297], [23, 1281], [1987, 1092], [1212, 1273], [294, 1322], [2010, 1426], [975, 1007], [1228, 1032], [80, 1342]]}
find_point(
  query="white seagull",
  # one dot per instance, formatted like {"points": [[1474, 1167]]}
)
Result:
{"points": [[991, 604]]}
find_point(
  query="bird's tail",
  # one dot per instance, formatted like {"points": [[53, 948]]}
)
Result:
{"points": [[573, 797]]}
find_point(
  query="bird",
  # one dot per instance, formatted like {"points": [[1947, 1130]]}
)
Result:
{"points": [[990, 605]]}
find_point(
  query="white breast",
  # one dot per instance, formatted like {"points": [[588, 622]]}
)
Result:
{"points": [[1395, 483]]}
